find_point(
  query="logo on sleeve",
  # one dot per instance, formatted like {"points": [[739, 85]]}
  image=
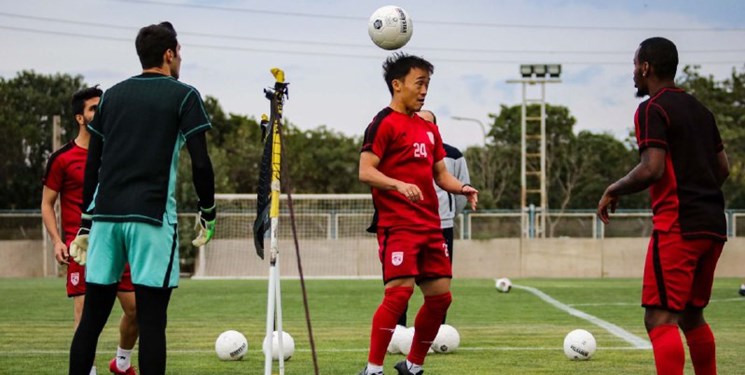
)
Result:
{"points": [[431, 137], [397, 257]]}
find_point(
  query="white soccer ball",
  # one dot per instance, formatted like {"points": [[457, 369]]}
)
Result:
{"points": [[579, 345], [288, 346], [390, 27], [447, 339], [404, 343], [504, 285], [231, 346], [394, 344]]}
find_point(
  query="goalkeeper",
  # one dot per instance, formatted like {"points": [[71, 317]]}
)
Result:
{"points": [[141, 124]]}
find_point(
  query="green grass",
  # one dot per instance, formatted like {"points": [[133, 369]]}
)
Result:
{"points": [[514, 333]]}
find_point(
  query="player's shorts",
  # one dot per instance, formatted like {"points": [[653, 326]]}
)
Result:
{"points": [[408, 253], [152, 252], [76, 278], [679, 272]]}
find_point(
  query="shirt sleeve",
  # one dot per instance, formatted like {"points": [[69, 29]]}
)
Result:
{"points": [[651, 126], [377, 138], [194, 118], [53, 176], [439, 151]]}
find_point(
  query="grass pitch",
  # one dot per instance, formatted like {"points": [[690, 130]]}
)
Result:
{"points": [[514, 333]]}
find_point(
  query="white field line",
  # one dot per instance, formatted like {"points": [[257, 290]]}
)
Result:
{"points": [[636, 341]]}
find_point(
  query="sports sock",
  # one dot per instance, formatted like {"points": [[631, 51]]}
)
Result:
{"points": [[99, 299], [427, 324], [373, 369], [669, 354], [123, 358], [384, 321], [413, 368], [152, 307], [93, 371], [702, 347]]}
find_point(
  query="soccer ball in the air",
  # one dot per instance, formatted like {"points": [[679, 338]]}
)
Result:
{"points": [[390, 27], [231, 346], [504, 285], [579, 345], [447, 339], [288, 346]]}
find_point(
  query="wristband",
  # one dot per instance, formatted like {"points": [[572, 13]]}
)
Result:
{"points": [[464, 185]]}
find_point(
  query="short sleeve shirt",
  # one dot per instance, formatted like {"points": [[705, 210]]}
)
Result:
{"points": [[143, 122], [688, 195], [64, 174], [408, 148]]}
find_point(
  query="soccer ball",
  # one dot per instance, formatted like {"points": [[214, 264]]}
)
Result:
{"points": [[394, 344], [447, 339], [231, 346], [579, 345], [504, 285], [288, 346], [404, 343], [390, 27]]}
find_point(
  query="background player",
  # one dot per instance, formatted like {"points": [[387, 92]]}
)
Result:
{"points": [[141, 124], [451, 205], [64, 179], [684, 164], [401, 156]]}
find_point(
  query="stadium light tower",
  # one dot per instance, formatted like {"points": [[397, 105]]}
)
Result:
{"points": [[533, 146]]}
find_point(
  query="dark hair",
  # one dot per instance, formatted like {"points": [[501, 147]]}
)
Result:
{"points": [[153, 41], [661, 54], [79, 98], [398, 65]]}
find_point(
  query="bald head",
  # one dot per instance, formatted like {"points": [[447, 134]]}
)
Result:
{"points": [[428, 116]]}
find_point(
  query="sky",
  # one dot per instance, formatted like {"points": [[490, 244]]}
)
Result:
{"points": [[334, 70]]}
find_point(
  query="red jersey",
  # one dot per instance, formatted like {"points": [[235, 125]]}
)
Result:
{"points": [[408, 148], [64, 174], [688, 195]]}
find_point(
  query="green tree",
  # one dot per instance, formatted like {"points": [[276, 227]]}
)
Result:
{"points": [[29, 102]]}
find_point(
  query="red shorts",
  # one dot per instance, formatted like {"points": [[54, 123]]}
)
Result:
{"points": [[406, 253], [679, 272], [76, 278]]}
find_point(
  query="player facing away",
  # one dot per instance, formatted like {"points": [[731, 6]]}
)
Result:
{"points": [[401, 156], [451, 205], [141, 124], [684, 165], [64, 180]]}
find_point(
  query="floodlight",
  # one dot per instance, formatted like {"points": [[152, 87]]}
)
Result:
{"points": [[526, 70], [539, 70], [554, 70]]}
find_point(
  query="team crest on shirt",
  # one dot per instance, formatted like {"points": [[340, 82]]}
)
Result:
{"points": [[397, 257], [75, 278], [431, 137]]}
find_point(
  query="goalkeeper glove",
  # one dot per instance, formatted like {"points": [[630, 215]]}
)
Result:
{"points": [[206, 225], [79, 246]]}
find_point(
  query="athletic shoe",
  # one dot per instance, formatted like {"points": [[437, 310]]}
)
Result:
{"points": [[115, 370], [364, 372], [742, 290], [402, 370]]}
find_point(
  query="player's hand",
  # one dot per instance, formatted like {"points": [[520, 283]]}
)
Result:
{"points": [[60, 253], [79, 246], [472, 195], [206, 225], [607, 201], [410, 191]]}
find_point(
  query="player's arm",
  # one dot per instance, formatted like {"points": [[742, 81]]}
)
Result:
{"points": [[370, 174], [452, 185], [204, 184], [650, 169], [48, 198], [460, 171], [722, 167]]}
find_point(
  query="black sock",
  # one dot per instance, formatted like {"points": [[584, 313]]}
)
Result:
{"points": [[152, 308], [402, 318], [99, 299]]}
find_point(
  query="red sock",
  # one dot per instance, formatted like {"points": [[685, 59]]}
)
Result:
{"points": [[384, 321], [669, 354], [702, 347], [427, 324]]}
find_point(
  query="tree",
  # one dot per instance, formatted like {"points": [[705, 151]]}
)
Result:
{"points": [[29, 102]]}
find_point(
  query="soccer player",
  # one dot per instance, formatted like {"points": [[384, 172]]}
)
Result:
{"points": [[451, 205], [141, 124], [683, 163], [401, 155], [64, 180]]}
